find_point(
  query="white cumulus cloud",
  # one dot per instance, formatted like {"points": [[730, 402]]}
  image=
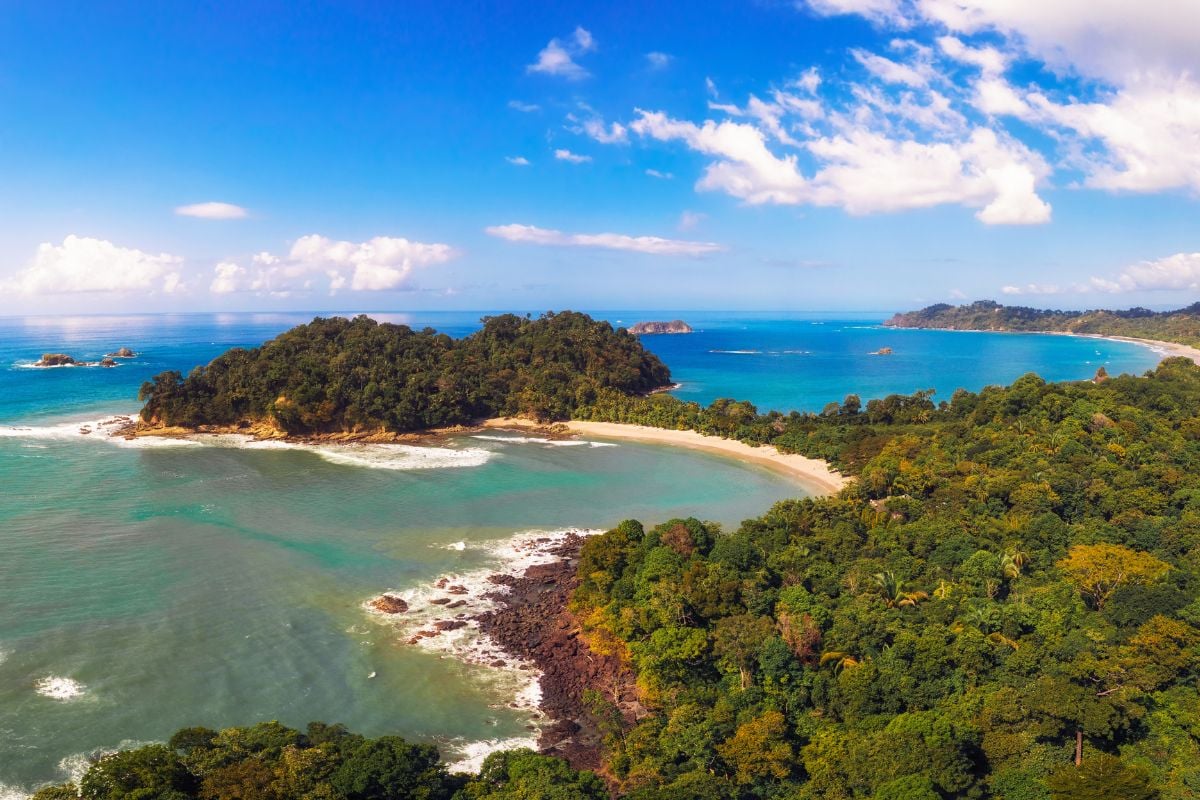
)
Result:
{"points": [[653, 245], [657, 60], [1178, 272], [520, 161], [614, 133], [562, 154], [212, 210], [558, 57], [864, 171], [85, 264], [317, 262]]}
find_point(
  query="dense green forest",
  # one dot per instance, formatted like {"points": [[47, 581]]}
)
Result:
{"points": [[326, 762], [1012, 571], [359, 375], [1181, 326]]}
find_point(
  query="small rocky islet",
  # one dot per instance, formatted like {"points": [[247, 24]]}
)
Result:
{"points": [[65, 360], [659, 327]]}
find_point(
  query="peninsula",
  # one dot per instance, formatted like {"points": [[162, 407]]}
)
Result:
{"points": [[1177, 331]]}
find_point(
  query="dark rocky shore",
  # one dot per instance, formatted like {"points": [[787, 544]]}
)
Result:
{"points": [[533, 622]]}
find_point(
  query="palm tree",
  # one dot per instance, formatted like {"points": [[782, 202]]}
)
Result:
{"points": [[1013, 563], [893, 592], [1000, 638], [840, 660]]}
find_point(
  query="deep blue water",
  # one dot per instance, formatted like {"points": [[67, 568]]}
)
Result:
{"points": [[773, 360]]}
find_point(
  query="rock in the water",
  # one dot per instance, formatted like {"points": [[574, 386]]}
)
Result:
{"points": [[883, 351], [55, 360], [674, 326], [389, 604], [123, 352], [107, 362]]}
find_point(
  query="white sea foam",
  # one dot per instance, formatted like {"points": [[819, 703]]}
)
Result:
{"points": [[95, 428], [8, 792], [72, 768], [738, 352], [36, 365], [59, 688], [543, 441], [471, 755], [370, 456]]}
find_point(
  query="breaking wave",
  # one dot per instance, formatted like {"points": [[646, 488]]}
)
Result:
{"points": [[368, 456]]}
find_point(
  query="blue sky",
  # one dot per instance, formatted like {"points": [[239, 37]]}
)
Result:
{"points": [[821, 154]]}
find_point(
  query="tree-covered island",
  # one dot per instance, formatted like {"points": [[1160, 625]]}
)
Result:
{"points": [[340, 375], [1005, 603]]}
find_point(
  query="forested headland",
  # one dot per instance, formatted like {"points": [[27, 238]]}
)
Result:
{"points": [[1181, 326], [337, 374]]}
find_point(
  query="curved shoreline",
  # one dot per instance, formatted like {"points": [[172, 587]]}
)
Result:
{"points": [[1163, 348], [811, 473]]}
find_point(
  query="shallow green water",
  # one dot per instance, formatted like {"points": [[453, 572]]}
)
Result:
{"points": [[221, 585]]}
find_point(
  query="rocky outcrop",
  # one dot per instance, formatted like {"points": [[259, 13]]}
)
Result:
{"points": [[64, 360], [883, 351], [123, 352], [534, 623], [56, 360], [674, 326], [389, 604]]}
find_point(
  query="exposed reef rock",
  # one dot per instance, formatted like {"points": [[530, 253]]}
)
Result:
{"points": [[674, 326], [123, 352], [64, 360], [56, 360], [389, 604], [883, 351]]}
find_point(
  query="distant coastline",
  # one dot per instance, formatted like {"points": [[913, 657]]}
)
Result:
{"points": [[1167, 349]]}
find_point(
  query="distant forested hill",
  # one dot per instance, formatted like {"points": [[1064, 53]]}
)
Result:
{"points": [[1181, 326], [340, 375]]}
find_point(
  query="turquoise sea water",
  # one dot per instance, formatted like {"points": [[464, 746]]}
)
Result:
{"points": [[148, 587]]}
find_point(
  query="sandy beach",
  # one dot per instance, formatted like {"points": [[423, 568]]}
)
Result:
{"points": [[814, 474], [1166, 349]]}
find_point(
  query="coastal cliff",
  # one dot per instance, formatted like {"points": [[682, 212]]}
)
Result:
{"points": [[674, 326]]}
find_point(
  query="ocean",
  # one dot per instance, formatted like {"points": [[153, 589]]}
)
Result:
{"points": [[149, 586]]}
